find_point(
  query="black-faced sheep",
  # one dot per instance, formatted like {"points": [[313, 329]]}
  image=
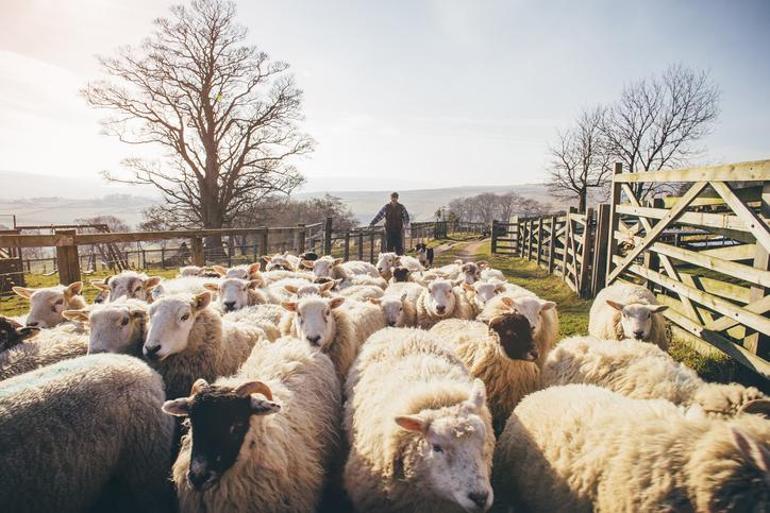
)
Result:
{"points": [[581, 448], [418, 427], [71, 432], [49, 346], [260, 446], [13, 333], [624, 310]]}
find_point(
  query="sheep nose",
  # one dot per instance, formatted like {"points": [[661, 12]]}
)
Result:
{"points": [[152, 352], [229, 306], [391, 323], [313, 340], [479, 498], [198, 479], [440, 309], [638, 334], [533, 355]]}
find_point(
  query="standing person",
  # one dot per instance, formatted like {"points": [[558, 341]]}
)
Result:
{"points": [[396, 219]]}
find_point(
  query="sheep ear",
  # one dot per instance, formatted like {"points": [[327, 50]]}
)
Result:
{"points": [[338, 261], [757, 407], [27, 331], [152, 282], [213, 287], [178, 407], [73, 289], [199, 385], [260, 406], [547, 305], [23, 291], [75, 315], [266, 258], [202, 300], [752, 451], [101, 285], [412, 423], [336, 302], [508, 302], [478, 397], [255, 284], [219, 270], [467, 286], [291, 306], [254, 268], [137, 313], [307, 264], [375, 300], [326, 287], [254, 387], [290, 288], [658, 308], [614, 304]]}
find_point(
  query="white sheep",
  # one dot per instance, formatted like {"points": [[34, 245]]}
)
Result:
{"points": [[310, 289], [399, 304], [624, 310], [388, 262], [260, 446], [183, 284], [336, 268], [488, 274], [364, 279], [117, 327], [235, 293], [49, 346], [130, 284], [644, 371], [541, 314], [187, 340], [503, 354], [47, 304], [267, 317], [418, 427], [324, 325], [282, 262], [69, 430], [272, 277], [581, 448], [482, 291], [441, 300], [244, 271], [362, 292]]}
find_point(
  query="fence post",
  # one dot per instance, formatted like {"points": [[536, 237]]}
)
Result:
{"points": [[328, 236], [493, 243], [598, 275], [539, 239], [612, 247], [346, 247], [371, 246], [552, 245], [299, 235], [567, 244], [759, 343], [196, 251], [360, 245], [67, 257], [585, 257], [529, 239], [264, 244]]}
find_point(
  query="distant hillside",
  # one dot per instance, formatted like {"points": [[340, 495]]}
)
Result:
{"points": [[63, 210], [423, 203]]}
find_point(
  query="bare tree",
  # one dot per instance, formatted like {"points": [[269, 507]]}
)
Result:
{"points": [[226, 115], [656, 122], [580, 160]]}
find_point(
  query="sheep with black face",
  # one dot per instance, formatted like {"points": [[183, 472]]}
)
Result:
{"points": [[13, 333]]}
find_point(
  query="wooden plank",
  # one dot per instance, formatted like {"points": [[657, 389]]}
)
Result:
{"points": [[614, 220], [754, 223], [197, 255], [651, 235], [732, 253], [723, 223], [755, 171], [759, 343], [724, 307], [552, 245], [67, 259], [539, 239], [585, 260]]}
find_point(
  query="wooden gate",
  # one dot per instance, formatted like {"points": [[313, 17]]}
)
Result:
{"points": [[704, 251]]}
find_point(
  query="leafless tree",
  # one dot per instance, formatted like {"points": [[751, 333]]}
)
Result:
{"points": [[225, 114], [657, 122], [580, 161]]}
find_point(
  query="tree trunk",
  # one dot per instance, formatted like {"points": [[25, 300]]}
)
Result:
{"points": [[583, 195]]}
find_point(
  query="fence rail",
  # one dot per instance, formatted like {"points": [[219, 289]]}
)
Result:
{"points": [[703, 252]]}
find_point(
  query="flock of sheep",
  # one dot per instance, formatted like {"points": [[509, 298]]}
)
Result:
{"points": [[314, 381]]}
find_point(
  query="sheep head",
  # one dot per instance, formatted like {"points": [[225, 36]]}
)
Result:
{"points": [[385, 264], [220, 419], [636, 318], [392, 308], [47, 304], [171, 319], [314, 321], [447, 451], [401, 274], [116, 327], [440, 300], [132, 285], [233, 293], [530, 307], [515, 335], [13, 333]]}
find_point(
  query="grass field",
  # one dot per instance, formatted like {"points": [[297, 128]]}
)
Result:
{"points": [[573, 311]]}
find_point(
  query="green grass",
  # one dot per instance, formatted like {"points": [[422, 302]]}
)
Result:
{"points": [[573, 311]]}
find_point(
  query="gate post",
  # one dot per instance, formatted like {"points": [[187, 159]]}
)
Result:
{"points": [[67, 259]]}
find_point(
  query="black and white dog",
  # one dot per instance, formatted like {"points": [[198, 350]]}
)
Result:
{"points": [[424, 255]]}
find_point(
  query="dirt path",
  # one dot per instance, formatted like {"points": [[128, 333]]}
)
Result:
{"points": [[467, 250]]}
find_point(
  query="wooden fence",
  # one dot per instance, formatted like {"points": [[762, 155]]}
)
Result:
{"points": [[702, 248]]}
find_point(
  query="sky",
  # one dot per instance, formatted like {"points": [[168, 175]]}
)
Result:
{"points": [[400, 94]]}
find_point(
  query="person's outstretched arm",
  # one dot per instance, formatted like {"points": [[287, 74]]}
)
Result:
{"points": [[379, 216], [404, 217]]}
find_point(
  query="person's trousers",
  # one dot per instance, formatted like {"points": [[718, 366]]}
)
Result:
{"points": [[394, 241]]}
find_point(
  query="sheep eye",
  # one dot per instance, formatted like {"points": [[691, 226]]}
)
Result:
{"points": [[124, 322], [438, 448], [185, 317]]}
